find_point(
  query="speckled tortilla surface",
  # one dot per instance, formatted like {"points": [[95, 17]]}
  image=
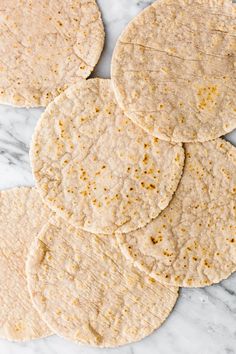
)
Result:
{"points": [[96, 168], [22, 216], [192, 243], [173, 69], [45, 46], [88, 292]]}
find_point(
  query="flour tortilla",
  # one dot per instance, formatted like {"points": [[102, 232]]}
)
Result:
{"points": [[46, 46], [88, 292], [173, 69], [97, 169], [192, 243], [22, 215]]}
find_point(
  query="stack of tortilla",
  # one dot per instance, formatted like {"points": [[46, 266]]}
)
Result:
{"points": [[135, 190]]}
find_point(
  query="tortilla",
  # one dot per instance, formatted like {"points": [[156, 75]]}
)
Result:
{"points": [[97, 169], [192, 243], [173, 69], [46, 46], [22, 215], [89, 293]]}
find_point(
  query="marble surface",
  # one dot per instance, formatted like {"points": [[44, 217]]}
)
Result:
{"points": [[204, 320]]}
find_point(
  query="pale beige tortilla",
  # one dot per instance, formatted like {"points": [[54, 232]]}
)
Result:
{"points": [[193, 242], [22, 215], [45, 46], [88, 292], [97, 169], [173, 69]]}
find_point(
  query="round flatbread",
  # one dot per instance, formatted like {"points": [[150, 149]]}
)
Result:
{"points": [[173, 69], [46, 46], [192, 243], [88, 292], [22, 215], [97, 169]]}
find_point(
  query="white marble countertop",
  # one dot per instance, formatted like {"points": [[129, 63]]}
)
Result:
{"points": [[204, 320]]}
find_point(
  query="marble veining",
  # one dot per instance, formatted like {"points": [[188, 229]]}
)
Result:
{"points": [[204, 320]]}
